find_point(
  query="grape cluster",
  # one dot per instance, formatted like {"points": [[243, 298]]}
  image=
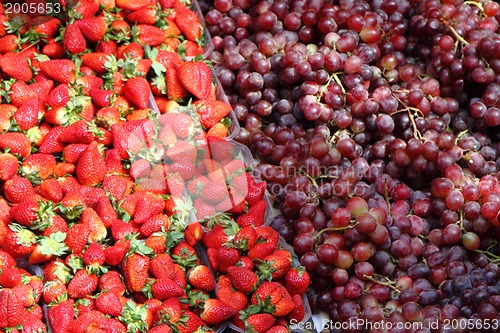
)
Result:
{"points": [[377, 127]]}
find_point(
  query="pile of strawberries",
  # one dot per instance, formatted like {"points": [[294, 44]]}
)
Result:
{"points": [[114, 162], [256, 275], [20, 292]]}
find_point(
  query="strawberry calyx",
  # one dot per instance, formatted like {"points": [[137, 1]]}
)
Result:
{"points": [[24, 236], [133, 317], [182, 212], [195, 299], [71, 214], [45, 215], [138, 246], [54, 244], [185, 258], [147, 290], [74, 262]]}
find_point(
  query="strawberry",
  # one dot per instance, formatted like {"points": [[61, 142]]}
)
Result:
{"points": [[74, 41], [59, 96], [10, 277], [135, 271], [8, 166], [170, 310], [298, 313], [48, 247], [6, 260], [149, 34], [175, 89], [196, 77], [164, 288], [219, 130], [9, 43], [254, 215], [227, 257], [60, 70], [201, 278], [17, 143], [109, 303], [188, 23], [51, 143], [274, 298], [118, 186], [259, 322], [242, 279], [155, 224], [86, 8], [184, 255], [193, 233], [181, 123], [15, 310], [211, 111], [191, 49], [255, 193], [215, 192], [237, 299], [77, 237], [189, 322], [38, 166], [137, 91], [16, 67], [215, 311], [162, 265], [133, 5], [17, 189], [162, 328], [91, 168], [78, 132], [54, 292], [19, 241], [93, 28], [94, 223], [112, 282], [60, 316], [94, 257], [82, 284], [46, 25], [261, 250], [148, 206], [245, 238], [204, 210], [114, 254], [53, 49], [296, 281], [276, 265], [140, 318], [218, 235], [96, 61]]}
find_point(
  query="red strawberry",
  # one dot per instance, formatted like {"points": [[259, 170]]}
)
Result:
{"points": [[149, 34], [8, 166], [188, 22], [82, 284], [74, 41], [162, 265], [86, 8], [255, 193], [77, 237], [60, 315], [15, 313], [298, 313], [155, 224], [97, 228], [201, 278], [276, 265], [148, 206], [114, 254], [181, 123], [19, 241], [215, 192], [211, 111], [59, 96], [109, 303], [10, 277], [242, 279], [275, 298], [215, 312], [196, 77], [297, 281], [135, 271], [112, 282], [254, 215], [94, 256], [191, 49], [193, 233], [17, 143], [137, 91], [165, 288], [51, 143], [175, 89], [54, 291], [259, 322], [93, 28], [118, 186], [91, 168], [237, 299], [60, 70], [96, 61], [204, 210], [16, 67], [132, 5], [227, 257], [190, 322]]}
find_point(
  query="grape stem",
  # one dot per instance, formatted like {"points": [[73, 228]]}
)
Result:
{"points": [[455, 33], [475, 3], [350, 226], [416, 132], [382, 280]]}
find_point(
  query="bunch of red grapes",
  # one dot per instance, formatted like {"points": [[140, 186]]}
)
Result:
{"points": [[377, 128]]}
